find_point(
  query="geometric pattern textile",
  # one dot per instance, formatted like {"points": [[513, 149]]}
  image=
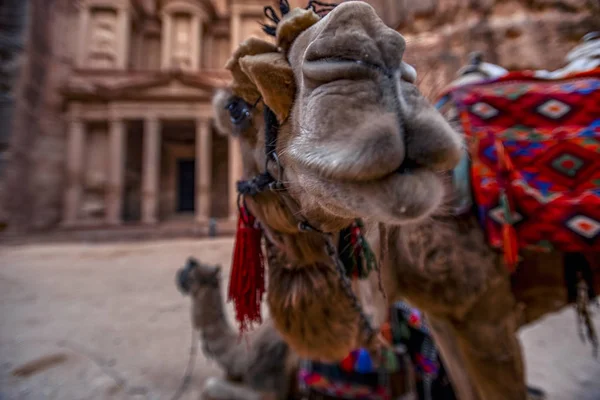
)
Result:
{"points": [[534, 147], [409, 329], [332, 380]]}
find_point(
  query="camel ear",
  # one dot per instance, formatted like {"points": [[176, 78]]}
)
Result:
{"points": [[272, 75], [242, 85]]}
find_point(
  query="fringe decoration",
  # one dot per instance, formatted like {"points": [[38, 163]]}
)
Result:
{"points": [[247, 279]]}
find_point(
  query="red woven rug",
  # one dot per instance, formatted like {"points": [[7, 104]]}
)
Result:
{"points": [[535, 158]]}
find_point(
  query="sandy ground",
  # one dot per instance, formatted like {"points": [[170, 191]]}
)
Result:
{"points": [[111, 324]]}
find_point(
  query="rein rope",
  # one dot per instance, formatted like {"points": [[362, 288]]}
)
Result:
{"points": [[265, 182], [367, 330]]}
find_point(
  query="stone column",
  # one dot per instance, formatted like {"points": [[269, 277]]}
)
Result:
{"points": [[82, 45], [75, 150], [235, 174], [196, 42], [203, 169], [167, 31], [116, 165], [151, 170], [123, 38]]}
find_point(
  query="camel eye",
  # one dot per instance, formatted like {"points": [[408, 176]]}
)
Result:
{"points": [[239, 112]]}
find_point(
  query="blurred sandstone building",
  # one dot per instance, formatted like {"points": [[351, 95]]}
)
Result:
{"points": [[111, 122]]}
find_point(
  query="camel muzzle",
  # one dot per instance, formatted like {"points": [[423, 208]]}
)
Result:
{"points": [[183, 276]]}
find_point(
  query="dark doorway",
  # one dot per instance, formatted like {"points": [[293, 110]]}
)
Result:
{"points": [[186, 184]]}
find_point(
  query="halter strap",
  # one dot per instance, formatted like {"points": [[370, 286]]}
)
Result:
{"points": [[271, 130]]}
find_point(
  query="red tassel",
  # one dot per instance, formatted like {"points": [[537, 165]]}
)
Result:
{"points": [[509, 238], [247, 280], [510, 243]]}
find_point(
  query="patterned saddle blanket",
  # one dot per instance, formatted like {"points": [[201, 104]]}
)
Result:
{"points": [[534, 167]]}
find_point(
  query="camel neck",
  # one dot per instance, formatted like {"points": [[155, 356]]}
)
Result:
{"points": [[218, 337]]}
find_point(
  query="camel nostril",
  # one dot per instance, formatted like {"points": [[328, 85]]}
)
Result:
{"points": [[343, 47], [407, 166]]}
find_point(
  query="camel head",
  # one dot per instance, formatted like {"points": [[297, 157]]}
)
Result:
{"points": [[355, 137], [332, 113], [196, 277], [202, 282]]}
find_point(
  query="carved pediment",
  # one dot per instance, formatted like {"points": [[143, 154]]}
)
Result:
{"points": [[169, 86], [174, 88]]}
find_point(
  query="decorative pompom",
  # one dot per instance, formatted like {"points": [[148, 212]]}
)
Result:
{"points": [[347, 363], [364, 364]]}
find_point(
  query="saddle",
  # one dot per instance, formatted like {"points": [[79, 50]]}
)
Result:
{"points": [[533, 162], [531, 169]]}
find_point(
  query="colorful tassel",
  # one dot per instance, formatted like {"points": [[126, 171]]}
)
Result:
{"points": [[247, 280], [367, 253], [355, 252], [509, 234], [414, 319], [364, 364], [390, 361], [386, 332]]}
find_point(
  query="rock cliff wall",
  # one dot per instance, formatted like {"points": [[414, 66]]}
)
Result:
{"points": [[525, 34], [32, 184]]}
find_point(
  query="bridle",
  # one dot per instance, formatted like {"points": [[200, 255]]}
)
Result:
{"points": [[266, 182]]}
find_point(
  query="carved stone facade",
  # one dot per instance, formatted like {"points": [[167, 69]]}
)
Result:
{"points": [[114, 125], [131, 101]]}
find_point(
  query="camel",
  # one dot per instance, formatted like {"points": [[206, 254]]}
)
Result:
{"points": [[260, 368], [264, 367], [333, 128]]}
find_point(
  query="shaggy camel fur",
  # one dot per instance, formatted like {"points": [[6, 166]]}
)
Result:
{"points": [[357, 140]]}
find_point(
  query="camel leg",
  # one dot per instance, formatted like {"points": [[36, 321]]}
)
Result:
{"points": [[455, 365], [219, 389], [488, 344]]}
